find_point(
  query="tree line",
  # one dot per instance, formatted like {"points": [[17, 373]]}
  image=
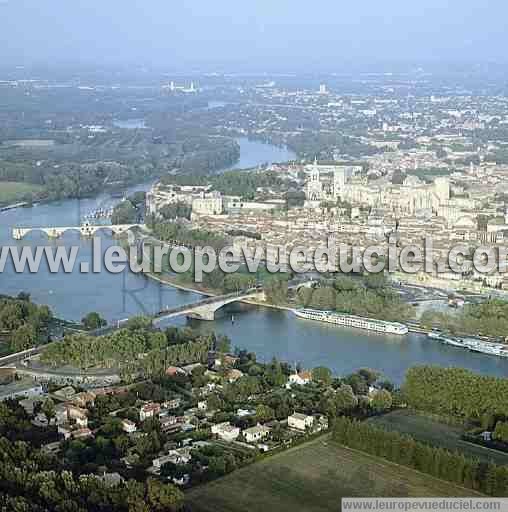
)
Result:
{"points": [[489, 318], [130, 350], [438, 462], [455, 392]]}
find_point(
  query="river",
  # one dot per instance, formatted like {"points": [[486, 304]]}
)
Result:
{"points": [[267, 332]]}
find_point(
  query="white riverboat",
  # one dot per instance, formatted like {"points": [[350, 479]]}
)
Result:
{"points": [[369, 324], [474, 345]]}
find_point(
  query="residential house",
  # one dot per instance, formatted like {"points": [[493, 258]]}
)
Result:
{"points": [[80, 416], [172, 371], [168, 423], [300, 421], [81, 433], [128, 426], [226, 431], [149, 411], [84, 399], [180, 456], [65, 430], [233, 375], [300, 378], [241, 413], [174, 403], [255, 434], [190, 367], [65, 393], [60, 414]]}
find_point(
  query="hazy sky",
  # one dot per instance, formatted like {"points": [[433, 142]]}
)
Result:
{"points": [[285, 34]]}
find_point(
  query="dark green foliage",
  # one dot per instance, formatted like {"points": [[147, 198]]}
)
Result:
{"points": [[129, 350], [26, 322], [455, 392]]}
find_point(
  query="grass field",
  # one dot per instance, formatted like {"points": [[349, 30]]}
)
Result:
{"points": [[438, 434], [11, 191], [313, 478]]}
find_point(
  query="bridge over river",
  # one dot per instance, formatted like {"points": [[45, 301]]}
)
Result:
{"points": [[86, 230]]}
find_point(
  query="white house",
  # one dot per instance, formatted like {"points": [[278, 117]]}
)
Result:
{"points": [[202, 406], [128, 426], [149, 411], [300, 378], [226, 431], [254, 434], [300, 421], [79, 415], [241, 413]]}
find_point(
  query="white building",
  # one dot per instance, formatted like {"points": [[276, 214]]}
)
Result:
{"points": [[128, 426], [257, 433], [149, 411], [226, 431], [208, 204], [300, 378], [300, 421]]}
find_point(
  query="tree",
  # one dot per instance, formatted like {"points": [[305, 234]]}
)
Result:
{"points": [[322, 374], [276, 290], [48, 409], [23, 337], [382, 401], [93, 321], [264, 413], [501, 431], [370, 376], [305, 296], [345, 399], [223, 344], [124, 213], [324, 298], [163, 497], [138, 322]]}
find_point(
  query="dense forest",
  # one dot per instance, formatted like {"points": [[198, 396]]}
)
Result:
{"points": [[22, 323], [455, 392], [133, 350], [438, 462], [80, 170], [35, 481]]}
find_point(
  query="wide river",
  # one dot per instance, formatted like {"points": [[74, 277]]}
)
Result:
{"points": [[266, 331]]}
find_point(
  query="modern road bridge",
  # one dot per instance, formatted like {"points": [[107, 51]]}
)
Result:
{"points": [[205, 309]]}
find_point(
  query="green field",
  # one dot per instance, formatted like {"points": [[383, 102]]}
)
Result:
{"points": [[313, 478], [430, 431], [11, 191]]}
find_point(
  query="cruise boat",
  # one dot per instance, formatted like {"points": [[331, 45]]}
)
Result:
{"points": [[473, 344], [358, 322], [486, 347]]}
